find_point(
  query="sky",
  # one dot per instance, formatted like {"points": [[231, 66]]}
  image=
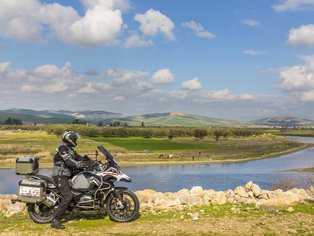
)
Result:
{"points": [[233, 59]]}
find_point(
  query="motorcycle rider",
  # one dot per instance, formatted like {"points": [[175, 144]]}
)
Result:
{"points": [[66, 159]]}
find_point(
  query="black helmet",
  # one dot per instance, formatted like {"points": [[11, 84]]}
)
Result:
{"points": [[70, 137]]}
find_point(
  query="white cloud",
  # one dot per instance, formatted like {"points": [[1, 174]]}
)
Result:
{"points": [[35, 21], [299, 80], [302, 36], [294, 5], [119, 98], [192, 84], [137, 41], [154, 22], [254, 52], [250, 22], [198, 29], [217, 95], [163, 76]]}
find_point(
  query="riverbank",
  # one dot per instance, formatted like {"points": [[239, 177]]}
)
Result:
{"points": [[179, 151], [246, 210]]}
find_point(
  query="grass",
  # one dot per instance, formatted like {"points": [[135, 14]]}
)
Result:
{"points": [[212, 220], [157, 144], [146, 151]]}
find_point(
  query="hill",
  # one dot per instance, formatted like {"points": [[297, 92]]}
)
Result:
{"points": [[154, 119], [283, 121]]}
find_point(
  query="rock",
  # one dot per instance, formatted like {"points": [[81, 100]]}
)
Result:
{"points": [[248, 186], [290, 209], [12, 209], [256, 190], [194, 216], [219, 198], [240, 191], [196, 189]]}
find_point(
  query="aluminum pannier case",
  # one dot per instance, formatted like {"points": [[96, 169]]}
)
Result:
{"points": [[27, 166], [31, 190]]}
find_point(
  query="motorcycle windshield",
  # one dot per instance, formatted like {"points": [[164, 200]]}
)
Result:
{"points": [[108, 156]]}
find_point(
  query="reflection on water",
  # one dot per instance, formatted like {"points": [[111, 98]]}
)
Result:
{"points": [[209, 176]]}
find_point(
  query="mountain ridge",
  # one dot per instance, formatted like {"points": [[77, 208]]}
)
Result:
{"points": [[152, 119]]}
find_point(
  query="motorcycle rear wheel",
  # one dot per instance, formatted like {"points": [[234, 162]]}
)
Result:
{"points": [[123, 213], [40, 213]]}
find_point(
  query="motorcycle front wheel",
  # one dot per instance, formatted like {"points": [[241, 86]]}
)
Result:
{"points": [[125, 209], [40, 213]]}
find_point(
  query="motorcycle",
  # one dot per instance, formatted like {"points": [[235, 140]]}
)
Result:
{"points": [[93, 191]]}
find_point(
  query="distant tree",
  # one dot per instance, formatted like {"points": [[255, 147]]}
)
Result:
{"points": [[100, 123], [13, 121], [200, 133], [142, 124], [79, 122], [217, 134], [116, 123]]}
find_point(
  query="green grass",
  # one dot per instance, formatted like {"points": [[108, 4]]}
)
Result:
{"points": [[157, 144]]}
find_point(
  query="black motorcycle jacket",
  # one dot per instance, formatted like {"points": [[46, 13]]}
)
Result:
{"points": [[65, 160]]}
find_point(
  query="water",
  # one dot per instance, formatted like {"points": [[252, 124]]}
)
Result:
{"points": [[209, 176]]}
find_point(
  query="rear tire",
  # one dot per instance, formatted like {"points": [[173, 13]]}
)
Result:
{"points": [[40, 213], [129, 211]]}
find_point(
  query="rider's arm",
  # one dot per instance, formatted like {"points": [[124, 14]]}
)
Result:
{"points": [[68, 156]]}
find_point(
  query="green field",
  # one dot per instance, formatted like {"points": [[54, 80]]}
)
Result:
{"points": [[146, 151], [157, 144]]}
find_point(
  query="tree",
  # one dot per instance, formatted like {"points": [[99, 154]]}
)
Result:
{"points": [[217, 133], [142, 124], [100, 123], [200, 133], [13, 121]]}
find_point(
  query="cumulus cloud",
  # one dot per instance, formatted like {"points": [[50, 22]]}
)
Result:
{"points": [[163, 76], [137, 41], [299, 80], [192, 84], [302, 36], [294, 5], [254, 52], [198, 30], [250, 22], [35, 21], [154, 22]]}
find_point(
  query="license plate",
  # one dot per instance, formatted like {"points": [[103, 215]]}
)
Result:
{"points": [[29, 191]]}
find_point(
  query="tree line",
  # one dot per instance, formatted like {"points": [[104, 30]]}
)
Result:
{"points": [[146, 132]]}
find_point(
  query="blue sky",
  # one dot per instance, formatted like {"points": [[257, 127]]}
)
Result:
{"points": [[235, 59]]}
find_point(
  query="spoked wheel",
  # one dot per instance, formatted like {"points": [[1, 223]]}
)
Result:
{"points": [[40, 213], [125, 209]]}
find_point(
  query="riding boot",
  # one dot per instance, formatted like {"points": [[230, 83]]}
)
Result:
{"points": [[57, 224]]}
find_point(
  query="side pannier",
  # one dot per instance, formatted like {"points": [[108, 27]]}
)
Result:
{"points": [[32, 190], [27, 166]]}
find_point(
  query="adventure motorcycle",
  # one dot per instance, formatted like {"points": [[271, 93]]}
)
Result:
{"points": [[93, 191]]}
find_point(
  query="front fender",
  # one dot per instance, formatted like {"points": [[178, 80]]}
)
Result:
{"points": [[115, 191]]}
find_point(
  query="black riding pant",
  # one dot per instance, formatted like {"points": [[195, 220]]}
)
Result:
{"points": [[63, 184]]}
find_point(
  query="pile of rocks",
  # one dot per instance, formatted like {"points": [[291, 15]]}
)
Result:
{"points": [[151, 200], [251, 193]]}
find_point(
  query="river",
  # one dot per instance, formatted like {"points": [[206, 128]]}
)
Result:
{"points": [[210, 176]]}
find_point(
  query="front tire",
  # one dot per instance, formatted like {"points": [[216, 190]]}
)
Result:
{"points": [[40, 213], [125, 212]]}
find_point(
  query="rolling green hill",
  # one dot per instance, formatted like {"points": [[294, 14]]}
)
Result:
{"points": [[154, 119]]}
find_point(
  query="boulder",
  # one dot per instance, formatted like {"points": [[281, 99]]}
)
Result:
{"points": [[196, 189], [219, 198], [240, 191], [256, 190], [248, 186]]}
